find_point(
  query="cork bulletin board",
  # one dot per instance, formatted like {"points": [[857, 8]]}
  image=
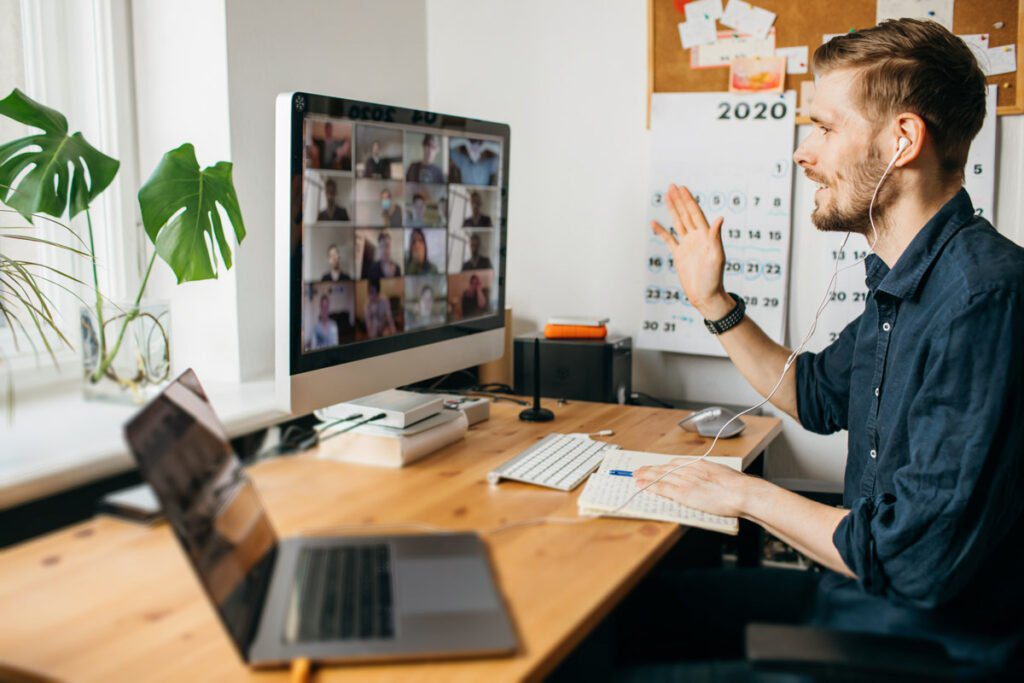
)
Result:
{"points": [[804, 23]]}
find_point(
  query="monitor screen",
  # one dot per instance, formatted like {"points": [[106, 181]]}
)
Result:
{"points": [[398, 230]]}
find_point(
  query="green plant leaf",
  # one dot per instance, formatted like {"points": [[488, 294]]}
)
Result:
{"points": [[181, 216], [64, 171]]}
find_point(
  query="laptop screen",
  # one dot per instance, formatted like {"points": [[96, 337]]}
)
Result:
{"points": [[183, 453]]}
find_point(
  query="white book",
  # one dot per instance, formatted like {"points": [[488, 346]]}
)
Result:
{"points": [[605, 493], [582, 320], [392, 450]]}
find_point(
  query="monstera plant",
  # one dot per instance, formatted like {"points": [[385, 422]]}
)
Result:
{"points": [[51, 173]]}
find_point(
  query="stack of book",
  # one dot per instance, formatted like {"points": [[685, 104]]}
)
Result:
{"points": [[414, 426], [572, 327]]}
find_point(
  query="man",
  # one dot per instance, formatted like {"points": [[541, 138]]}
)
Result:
{"points": [[377, 312], [325, 330], [476, 218], [335, 151], [426, 171], [391, 213], [474, 299], [926, 381], [376, 166], [416, 215], [334, 272], [472, 164], [476, 261], [332, 212], [384, 266]]}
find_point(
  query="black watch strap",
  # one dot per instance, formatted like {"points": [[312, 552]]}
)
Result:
{"points": [[734, 317]]}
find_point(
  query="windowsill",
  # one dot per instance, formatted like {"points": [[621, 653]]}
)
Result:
{"points": [[59, 440]]}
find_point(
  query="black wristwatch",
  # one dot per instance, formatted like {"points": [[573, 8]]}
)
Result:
{"points": [[731, 320]]}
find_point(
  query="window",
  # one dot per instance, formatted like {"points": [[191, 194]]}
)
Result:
{"points": [[74, 57]]}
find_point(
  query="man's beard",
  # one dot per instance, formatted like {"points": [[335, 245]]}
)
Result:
{"points": [[860, 183]]}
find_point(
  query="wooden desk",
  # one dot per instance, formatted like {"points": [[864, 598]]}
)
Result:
{"points": [[109, 600]]}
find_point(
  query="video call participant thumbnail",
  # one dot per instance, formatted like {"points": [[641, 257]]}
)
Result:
{"points": [[378, 301], [425, 252], [379, 152], [425, 301], [383, 265], [473, 162], [333, 211], [425, 205], [469, 293], [476, 260], [331, 146], [327, 316], [476, 218], [334, 271], [426, 169], [391, 213]]}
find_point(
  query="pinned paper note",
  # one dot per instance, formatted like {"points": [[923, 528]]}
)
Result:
{"points": [[708, 10], [1002, 59], [939, 11], [978, 43], [729, 46], [757, 74], [733, 14], [697, 32], [746, 18], [796, 58], [757, 22]]}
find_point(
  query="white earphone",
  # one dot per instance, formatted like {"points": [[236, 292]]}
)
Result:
{"points": [[901, 145]]}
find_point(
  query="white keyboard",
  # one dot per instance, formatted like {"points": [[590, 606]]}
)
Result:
{"points": [[558, 461]]}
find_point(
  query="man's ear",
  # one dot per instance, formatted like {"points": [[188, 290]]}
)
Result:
{"points": [[910, 126]]}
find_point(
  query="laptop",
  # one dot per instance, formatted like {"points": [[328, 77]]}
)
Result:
{"points": [[329, 599]]}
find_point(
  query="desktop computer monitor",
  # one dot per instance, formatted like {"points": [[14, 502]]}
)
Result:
{"points": [[390, 246]]}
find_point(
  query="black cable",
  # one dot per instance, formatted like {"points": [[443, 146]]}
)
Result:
{"points": [[296, 438], [652, 399], [349, 428]]}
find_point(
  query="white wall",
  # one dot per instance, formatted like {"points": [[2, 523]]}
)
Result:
{"points": [[208, 71], [362, 49], [572, 85]]}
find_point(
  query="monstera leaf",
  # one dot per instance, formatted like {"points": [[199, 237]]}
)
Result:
{"points": [[64, 171], [180, 213]]}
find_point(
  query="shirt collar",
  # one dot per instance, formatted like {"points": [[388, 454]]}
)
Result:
{"points": [[903, 280]]}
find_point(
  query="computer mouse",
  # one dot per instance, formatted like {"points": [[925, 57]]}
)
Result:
{"points": [[708, 422]]}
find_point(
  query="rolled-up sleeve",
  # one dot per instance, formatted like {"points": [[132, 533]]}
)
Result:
{"points": [[959, 492], [823, 384]]}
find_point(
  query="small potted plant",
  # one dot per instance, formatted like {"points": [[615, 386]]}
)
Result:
{"points": [[125, 345]]}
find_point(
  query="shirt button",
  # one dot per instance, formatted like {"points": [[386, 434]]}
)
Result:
{"points": [[876, 392], [886, 326], [873, 453]]}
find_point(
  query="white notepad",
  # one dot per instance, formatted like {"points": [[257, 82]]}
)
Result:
{"points": [[605, 492]]}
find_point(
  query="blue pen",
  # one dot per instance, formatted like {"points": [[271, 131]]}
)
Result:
{"points": [[620, 473]]}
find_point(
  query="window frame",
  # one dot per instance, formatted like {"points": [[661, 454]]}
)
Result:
{"points": [[78, 59]]}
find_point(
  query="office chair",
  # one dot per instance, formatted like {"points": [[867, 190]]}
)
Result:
{"points": [[841, 656]]}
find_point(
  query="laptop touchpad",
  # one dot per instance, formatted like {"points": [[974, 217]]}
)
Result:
{"points": [[444, 584]]}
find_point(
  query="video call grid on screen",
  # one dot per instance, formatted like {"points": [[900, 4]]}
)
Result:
{"points": [[402, 228]]}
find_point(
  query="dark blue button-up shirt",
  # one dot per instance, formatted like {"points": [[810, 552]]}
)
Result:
{"points": [[929, 383]]}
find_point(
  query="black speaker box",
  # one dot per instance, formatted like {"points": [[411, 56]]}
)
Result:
{"points": [[580, 369]]}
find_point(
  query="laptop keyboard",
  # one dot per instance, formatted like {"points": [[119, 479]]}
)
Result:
{"points": [[342, 593]]}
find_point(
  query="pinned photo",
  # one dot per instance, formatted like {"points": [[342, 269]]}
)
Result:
{"points": [[757, 74]]}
